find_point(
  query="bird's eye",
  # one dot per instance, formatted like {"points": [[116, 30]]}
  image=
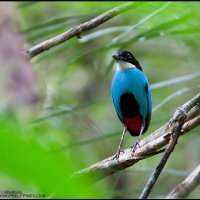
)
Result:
{"points": [[128, 55]]}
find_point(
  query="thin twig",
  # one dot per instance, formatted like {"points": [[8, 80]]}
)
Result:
{"points": [[81, 28], [187, 186], [153, 178]]}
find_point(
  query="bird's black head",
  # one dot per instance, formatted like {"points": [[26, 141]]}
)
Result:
{"points": [[126, 56]]}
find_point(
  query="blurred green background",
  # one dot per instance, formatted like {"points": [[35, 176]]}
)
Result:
{"points": [[75, 124]]}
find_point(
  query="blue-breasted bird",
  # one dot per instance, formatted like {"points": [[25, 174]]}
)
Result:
{"points": [[131, 97]]}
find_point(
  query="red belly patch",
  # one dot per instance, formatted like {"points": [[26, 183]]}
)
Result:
{"points": [[134, 123]]}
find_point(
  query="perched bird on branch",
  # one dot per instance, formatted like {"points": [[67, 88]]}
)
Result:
{"points": [[131, 97]]}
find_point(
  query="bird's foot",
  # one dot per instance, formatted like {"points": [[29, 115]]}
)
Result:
{"points": [[133, 147], [116, 156]]}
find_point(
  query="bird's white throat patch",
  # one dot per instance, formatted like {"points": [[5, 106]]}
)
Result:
{"points": [[121, 65]]}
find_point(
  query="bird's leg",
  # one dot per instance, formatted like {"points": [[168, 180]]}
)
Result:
{"points": [[120, 144], [138, 140]]}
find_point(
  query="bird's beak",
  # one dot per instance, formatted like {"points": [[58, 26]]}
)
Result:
{"points": [[115, 56]]}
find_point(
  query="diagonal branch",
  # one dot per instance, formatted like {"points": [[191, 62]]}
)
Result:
{"points": [[187, 186], [78, 30], [153, 178], [148, 146]]}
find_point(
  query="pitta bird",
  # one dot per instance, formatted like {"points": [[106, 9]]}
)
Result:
{"points": [[131, 97]]}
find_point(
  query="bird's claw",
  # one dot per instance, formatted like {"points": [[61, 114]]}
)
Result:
{"points": [[133, 147], [116, 156]]}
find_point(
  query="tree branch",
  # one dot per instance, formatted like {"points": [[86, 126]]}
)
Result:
{"points": [[178, 118], [148, 147], [78, 30], [153, 178], [187, 186]]}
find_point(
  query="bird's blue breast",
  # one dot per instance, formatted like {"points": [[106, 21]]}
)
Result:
{"points": [[132, 82]]}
